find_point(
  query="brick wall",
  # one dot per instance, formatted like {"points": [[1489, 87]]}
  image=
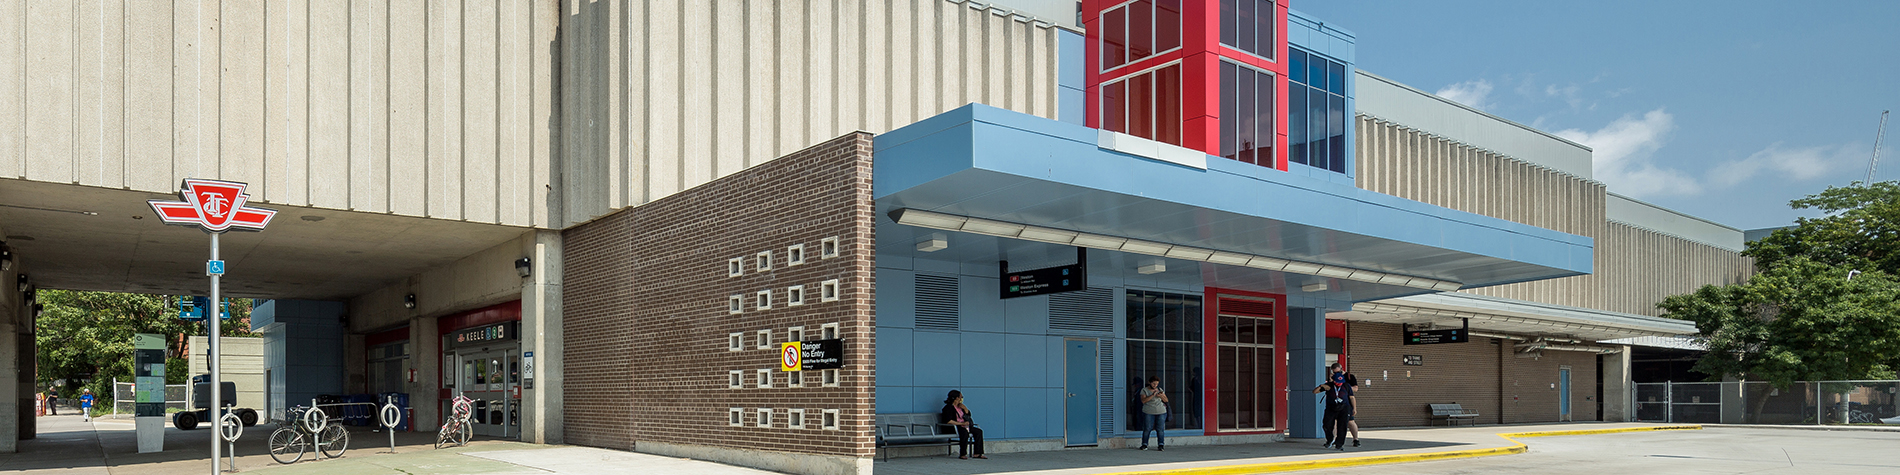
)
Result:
{"points": [[646, 305], [1481, 375]]}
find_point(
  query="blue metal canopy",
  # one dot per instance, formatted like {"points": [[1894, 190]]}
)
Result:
{"points": [[983, 162]]}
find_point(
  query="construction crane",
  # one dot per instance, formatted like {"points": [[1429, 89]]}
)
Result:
{"points": [[1875, 163]]}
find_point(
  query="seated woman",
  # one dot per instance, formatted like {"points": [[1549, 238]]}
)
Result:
{"points": [[954, 413]]}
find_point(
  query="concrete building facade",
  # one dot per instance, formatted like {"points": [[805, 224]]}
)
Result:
{"points": [[532, 203]]}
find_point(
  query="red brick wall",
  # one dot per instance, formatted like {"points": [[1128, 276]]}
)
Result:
{"points": [[647, 318], [1479, 375]]}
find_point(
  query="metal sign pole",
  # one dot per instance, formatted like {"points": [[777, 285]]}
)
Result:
{"points": [[217, 381]]}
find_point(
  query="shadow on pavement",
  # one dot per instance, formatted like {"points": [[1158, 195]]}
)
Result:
{"points": [[67, 444], [1098, 458]]}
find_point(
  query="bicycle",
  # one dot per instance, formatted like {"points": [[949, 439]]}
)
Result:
{"points": [[303, 427], [456, 430]]}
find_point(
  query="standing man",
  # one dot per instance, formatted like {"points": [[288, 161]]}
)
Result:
{"points": [[85, 404], [52, 401], [1338, 404]]}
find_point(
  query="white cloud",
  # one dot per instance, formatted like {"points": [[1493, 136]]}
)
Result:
{"points": [[1803, 164], [1475, 93], [1623, 158]]}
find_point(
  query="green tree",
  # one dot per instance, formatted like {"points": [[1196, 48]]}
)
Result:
{"points": [[85, 338], [1824, 304]]}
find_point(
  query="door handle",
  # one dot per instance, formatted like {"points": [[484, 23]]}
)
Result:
{"points": [[1071, 394]]}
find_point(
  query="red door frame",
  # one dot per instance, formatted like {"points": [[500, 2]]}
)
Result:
{"points": [[1210, 353], [502, 312]]}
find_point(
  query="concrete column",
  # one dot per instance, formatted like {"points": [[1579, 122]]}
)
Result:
{"points": [[12, 410], [541, 335], [1618, 391], [1305, 368], [425, 393]]}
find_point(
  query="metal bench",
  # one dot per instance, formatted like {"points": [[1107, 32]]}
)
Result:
{"points": [[1453, 412], [913, 430]]}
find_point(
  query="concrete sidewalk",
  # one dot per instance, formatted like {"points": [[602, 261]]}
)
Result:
{"points": [[66, 445], [1381, 446]]}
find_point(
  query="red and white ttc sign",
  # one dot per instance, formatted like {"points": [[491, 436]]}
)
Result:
{"points": [[217, 206]]}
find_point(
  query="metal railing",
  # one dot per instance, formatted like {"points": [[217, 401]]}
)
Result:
{"points": [[1751, 402], [124, 396]]}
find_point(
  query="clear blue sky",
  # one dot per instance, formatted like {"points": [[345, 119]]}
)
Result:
{"points": [[1724, 110]]}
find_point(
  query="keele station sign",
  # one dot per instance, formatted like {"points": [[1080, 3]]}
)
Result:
{"points": [[478, 336], [1047, 280]]}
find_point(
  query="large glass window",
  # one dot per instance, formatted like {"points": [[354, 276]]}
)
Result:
{"points": [[1140, 29], [1316, 111], [1247, 25], [1247, 110], [1146, 105], [1244, 335], [1164, 341]]}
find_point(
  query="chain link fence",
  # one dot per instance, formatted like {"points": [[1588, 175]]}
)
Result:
{"points": [[1811, 402]]}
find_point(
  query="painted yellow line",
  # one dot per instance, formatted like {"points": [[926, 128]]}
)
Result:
{"points": [[1515, 448]]}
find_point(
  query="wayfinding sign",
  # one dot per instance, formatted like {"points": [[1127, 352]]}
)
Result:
{"points": [[1047, 280], [1414, 336]]}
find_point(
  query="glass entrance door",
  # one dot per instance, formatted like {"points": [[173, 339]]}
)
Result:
{"points": [[490, 378]]}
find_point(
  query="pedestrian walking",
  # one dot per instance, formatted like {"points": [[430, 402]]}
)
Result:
{"points": [[1154, 414], [52, 401], [1352, 418], [956, 414], [1338, 404], [85, 404]]}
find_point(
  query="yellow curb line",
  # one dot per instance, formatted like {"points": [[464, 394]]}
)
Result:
{"points": [[1515, 448]]}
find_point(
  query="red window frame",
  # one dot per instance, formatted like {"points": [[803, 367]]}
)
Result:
{"points": [[1210, 355]]}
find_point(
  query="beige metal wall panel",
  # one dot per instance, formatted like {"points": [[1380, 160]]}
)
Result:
{"points": [[329, 104], [13, 87], [242, 108], [658, 97], [481, 118], [50, 104], [101, 63], [408, 107], [414, 107], [369, 105]]}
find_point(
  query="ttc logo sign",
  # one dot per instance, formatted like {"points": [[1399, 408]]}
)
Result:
{"points": [[216, 206]]}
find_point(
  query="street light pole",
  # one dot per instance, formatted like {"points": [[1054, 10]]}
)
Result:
{"points": [[215, 314]]}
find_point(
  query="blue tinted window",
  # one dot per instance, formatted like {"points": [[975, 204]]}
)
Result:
{"points": [[1336, 78], [1316, 134], [1336, 133], [1296, 66], [1229, 110], [1296, 122]]}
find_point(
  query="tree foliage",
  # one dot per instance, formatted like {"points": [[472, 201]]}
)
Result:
{"points": [[85, 337], [1801, 318]]}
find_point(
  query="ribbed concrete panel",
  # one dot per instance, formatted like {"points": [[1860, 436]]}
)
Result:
{"points": [[664, 96], [1643, 266], [380, 106], [1401, 161]]}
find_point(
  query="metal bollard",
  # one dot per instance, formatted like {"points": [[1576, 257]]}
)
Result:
{"points": [[391, 415], [231, 428]]}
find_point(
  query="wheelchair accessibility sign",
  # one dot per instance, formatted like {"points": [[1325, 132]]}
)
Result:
{"points": [[214, 267]]}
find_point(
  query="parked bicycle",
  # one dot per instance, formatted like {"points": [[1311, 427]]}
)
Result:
{"points": [[302, 428], [456, 430]]}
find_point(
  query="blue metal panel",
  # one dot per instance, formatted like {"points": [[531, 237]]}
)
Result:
{"points": [[989, 405], [980, 305], [1306, 353], [1053, 397], [1072, 105], [896, 357], [1082, 378], [1028, 361], [896, 299], [983, 360], [892, 260], [1070, 62], [939, 266], [930, 398], [897, 399], [1024, 415], [1028, 315], [1563, 394], [940, 365]]}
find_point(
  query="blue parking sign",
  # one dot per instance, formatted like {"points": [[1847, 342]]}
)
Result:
{"points": [[214, 267]]}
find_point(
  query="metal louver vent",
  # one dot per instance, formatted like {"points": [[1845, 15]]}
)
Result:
{"points": [[1087, 311], [1105, 388], [937, 302]]}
